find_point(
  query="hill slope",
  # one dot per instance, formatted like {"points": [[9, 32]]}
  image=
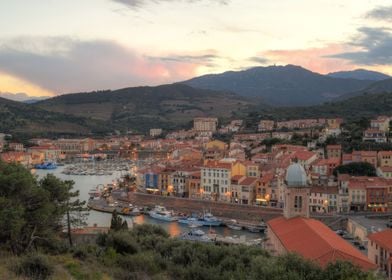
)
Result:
{"points": [[360, 74], [280, 85], [141, 108], [22, 118], [365, 105]]}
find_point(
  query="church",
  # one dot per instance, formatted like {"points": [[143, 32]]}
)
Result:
{"points": [[295, 232]]}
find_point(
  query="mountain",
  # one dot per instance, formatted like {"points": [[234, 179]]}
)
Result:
{"points": [[141, 108], [384, 86], [354, 108], [288, 85], [20, 118], [22, 97], [360, 74]]}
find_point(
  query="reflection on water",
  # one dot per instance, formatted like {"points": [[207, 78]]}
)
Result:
{"points": [[84, 183]]}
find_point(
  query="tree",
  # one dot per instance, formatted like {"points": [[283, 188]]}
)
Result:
{"points": [[117, 223], [356, 169], [32, 211], [67, 202]]}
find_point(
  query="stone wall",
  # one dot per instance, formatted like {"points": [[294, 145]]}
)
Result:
{"points": [[219, 209]]}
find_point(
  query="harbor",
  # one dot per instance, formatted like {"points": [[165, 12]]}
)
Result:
{"points": [[100, 215]]}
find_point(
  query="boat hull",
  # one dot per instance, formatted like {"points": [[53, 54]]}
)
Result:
{"points": [[163, 218]]}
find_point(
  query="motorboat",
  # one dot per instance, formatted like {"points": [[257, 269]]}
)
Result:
{"points": [[234, 225], [162, 214], [46, 165], [205, 220], [196, 235]]}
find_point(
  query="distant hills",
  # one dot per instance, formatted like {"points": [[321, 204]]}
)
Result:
{"points": [[360, 74], [288, 85], [366, 105], [20, 118], [141, 108], [296, 91]]}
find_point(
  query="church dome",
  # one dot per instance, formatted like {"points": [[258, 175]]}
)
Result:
{"points": [[296, 176]]}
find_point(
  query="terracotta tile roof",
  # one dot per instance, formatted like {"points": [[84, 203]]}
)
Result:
{"points": [[385, 153], [383, 238], [315, 241], [324, 190], [248, 181], [217, 164]]}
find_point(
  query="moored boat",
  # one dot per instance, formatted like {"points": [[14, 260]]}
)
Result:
{"points": [[160, 213], [196, 235], [234, 225]]}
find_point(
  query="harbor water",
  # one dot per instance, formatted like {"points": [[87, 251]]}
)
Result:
{"points": [[84, 183]]}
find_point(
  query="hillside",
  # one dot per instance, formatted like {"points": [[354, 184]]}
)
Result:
{"points": [[280, 85], [365, 105], [22, 118], [360, 74], [140, 108]]}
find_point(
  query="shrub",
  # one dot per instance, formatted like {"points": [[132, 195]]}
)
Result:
{"points": [[34, 266]]}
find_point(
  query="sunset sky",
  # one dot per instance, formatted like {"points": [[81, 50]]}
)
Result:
{"points": [[50, 47]]}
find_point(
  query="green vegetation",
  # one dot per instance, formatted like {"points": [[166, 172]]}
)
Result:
{"points": [[24, 119], [32, 246], [356, 169], [32, 212], [141, 108]]}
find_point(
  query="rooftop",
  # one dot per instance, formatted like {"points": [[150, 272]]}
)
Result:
{"points": [[315, 241]]}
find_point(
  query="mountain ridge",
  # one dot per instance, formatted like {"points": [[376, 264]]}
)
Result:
{"points": [[280, 85]]}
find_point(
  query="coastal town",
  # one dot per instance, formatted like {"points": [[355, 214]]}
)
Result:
{"points": [[248, 176]]}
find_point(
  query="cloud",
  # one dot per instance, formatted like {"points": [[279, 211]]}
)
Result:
{"points": [[316, 59], [62, 64], [381, 13], [259, 60], [134, 4], [373, 46], [206, 59]]}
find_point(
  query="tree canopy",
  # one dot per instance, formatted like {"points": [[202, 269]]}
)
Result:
{"points": [[356, 169]]}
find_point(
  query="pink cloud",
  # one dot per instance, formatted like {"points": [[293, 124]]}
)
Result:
{"points": [[315, 59]]}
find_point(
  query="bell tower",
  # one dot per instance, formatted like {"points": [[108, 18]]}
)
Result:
{"points": [[296, 192]]}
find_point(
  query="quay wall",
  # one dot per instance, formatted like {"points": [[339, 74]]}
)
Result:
{"points": [[220, 209]]}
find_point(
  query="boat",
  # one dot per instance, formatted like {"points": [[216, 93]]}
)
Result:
{"points": [[160, 213], [96, 192], [46, 165], [194, 225], [206, 220], [234, 225], [195, 235], [256, 229]]}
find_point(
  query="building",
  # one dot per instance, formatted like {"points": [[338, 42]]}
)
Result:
{"points": [[381, 123], [380, 250], [374, 135], [215, 180], [205, 124], [243, 190], [296, 232], [17, 147], [334, 151], [266, 125], [154, 132], [323, 199], [384, 158]]}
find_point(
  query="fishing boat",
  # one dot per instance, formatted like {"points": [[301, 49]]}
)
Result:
{"points": [[196, 235], [160, 213]]}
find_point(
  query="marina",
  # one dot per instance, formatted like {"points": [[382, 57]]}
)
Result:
{"points": [[101, 213]]}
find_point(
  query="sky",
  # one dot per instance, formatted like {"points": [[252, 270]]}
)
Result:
{"points": [[51, 47]]}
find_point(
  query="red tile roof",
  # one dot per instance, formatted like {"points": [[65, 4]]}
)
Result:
{"points": [[383, 238], [315, 241]]}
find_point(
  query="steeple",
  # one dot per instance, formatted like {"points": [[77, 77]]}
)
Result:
{"points": [[296, 192]]}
